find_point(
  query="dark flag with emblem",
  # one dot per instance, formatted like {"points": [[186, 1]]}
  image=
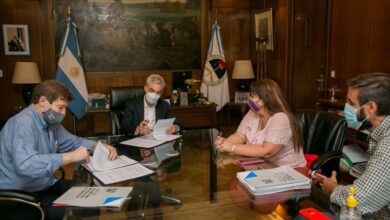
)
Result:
{"points": [[70, 71], [215, 80]]}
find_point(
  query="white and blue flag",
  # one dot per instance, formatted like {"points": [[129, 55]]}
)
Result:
{"points": [[215, 80], [70, 71]]}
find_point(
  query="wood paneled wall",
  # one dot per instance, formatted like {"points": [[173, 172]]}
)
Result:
{"points": [[358, 43], [359, 40], [19, 12]]}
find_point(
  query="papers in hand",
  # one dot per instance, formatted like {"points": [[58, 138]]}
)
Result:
{"points": [[267, 181], [120, 169], [94, 196], [100, 161], [156, 138]]}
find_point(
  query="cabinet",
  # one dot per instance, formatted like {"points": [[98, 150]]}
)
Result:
{"points": [[196, 116]]}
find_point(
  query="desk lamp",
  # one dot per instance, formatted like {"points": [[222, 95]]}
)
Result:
{"points": [[243, 70], [26, 73]]}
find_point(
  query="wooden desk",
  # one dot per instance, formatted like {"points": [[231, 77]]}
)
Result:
{"points": [[95, 122], [196, 116], [242, 107]]}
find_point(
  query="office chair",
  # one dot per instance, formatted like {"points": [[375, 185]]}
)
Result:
{"points": [[118, 98], [19, 204], [323, 135]]}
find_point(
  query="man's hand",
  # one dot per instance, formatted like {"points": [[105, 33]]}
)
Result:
{"points": [[171, 129], [327, 183], [113, 154], [143, 128], [77, 155], [145, 153]]}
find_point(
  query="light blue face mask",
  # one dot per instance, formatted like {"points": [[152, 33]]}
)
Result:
{"points": [[52, 117], [351, 117]]}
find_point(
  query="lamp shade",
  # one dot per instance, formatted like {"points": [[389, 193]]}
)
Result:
{"points": [[26, 73], [243, 70]]}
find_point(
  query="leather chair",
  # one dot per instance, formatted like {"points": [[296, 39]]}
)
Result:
{"points": [[18, 204], [27, 204], [324, 135], [118, 98]]}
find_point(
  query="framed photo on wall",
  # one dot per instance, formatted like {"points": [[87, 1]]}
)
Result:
{"points": [[264, 29], [241, 97], [16, 39]]}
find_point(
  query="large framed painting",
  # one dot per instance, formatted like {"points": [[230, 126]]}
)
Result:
{"points": [[128, 35]]}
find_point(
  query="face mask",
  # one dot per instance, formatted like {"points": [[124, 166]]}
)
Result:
{"points": [[350, 114], [152, 97], [52, 117], [254, 106], [363, 119]]}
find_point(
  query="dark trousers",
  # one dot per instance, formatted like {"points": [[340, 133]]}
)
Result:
{"points": [[48, 196]]}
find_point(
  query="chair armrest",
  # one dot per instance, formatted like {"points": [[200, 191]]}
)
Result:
{"points": [[18, 194], [324, 158]]}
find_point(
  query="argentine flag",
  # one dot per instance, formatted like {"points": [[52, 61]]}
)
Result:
{"points": [[70, 71], [215, 80]]}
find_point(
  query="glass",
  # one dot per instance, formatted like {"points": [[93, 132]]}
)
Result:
{"points": [[204, 188]]}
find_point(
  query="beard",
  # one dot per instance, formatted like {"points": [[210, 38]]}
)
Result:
{"points": [[366, 124]]}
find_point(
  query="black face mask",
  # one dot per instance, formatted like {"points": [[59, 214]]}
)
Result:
{"points": [[366, 124]]}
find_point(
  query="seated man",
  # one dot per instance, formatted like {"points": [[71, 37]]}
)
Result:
{"points": [[368, 105], [140, 115], [34, 144]]}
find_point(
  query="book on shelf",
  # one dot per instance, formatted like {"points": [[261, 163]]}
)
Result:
{"points": [[267, 181], [94, 197], [113, 171]]}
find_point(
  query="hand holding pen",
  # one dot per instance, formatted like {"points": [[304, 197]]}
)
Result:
{"points": [[143, 127]]}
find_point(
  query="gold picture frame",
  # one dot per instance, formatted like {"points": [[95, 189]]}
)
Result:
{"points": [[264, 29]]}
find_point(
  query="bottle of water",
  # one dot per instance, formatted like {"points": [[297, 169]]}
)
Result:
{"points": [[350, 210]]}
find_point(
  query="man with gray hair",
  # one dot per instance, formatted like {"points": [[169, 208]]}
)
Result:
{"points": [[368, 108], [141, 114]]}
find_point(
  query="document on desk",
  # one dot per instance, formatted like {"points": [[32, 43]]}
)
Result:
{"points": [[156, 138], [100, 161], [122, 174], [94, 197]]}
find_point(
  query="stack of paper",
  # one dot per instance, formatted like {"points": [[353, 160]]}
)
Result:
{"points": [[94, 196], [120, 169], [156, 138], [355, 158], [267, 181]]}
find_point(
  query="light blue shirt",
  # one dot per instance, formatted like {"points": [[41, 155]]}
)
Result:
{"points": [[30, 151]]}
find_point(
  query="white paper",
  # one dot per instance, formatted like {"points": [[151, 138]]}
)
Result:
{"points": [[148, 141], [122, 174], [273, 180], [355, 153], [142, 142], [94, 196], [159, 130], [100, 161]]}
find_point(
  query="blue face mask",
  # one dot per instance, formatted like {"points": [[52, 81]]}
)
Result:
{"points": [[351, 117], [52, 117]]}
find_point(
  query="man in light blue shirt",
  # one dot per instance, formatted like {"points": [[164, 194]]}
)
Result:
{"points": [[34, 144]]}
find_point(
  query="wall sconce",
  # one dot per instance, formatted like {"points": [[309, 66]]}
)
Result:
{"points": [[243, 70], [26, 73]]}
